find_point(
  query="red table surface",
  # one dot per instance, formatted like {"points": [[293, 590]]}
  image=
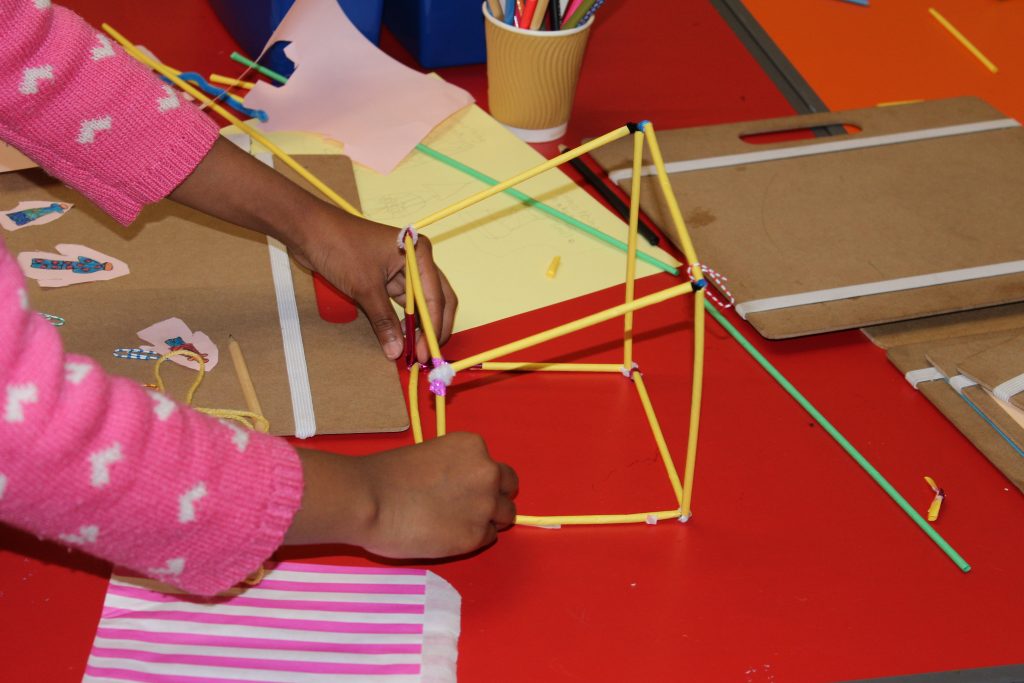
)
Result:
{"points": [[795, 567]]}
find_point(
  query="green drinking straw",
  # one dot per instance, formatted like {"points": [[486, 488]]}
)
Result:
{"points": [[839, 438], [269, 73], [550, 210]]}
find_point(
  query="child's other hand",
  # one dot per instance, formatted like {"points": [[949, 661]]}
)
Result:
{"points": [[436, 499], [362, 259]]}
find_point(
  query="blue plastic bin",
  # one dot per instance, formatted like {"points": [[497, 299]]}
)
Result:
{"points": [[251, 22], [438, 32]]}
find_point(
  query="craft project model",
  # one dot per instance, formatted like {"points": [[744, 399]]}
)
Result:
{"points": [[442, 373]]}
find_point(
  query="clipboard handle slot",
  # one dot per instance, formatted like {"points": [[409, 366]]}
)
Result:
{"points": [[770, 137]]}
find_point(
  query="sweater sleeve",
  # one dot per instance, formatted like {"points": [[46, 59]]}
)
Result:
{"points": [[128, 474], [75, 103], [87, 459]]}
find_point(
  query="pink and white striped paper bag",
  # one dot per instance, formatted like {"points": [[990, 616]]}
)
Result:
{"points": [[303, 623]]}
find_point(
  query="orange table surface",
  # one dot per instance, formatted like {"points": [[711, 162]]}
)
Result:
{"points": [[894, 50]]}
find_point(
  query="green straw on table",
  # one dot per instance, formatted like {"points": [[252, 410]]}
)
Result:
{"points": [[839, 438]]}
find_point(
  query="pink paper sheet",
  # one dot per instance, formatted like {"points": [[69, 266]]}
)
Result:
{"points": [[303, 623], [346, 88]]}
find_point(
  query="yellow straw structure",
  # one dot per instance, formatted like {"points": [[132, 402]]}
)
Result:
{"points": [[659, 438], [414, 404], [525, 175], [527, 366], [634, 220], [574, 326], [231, 118], [698, 319], [570, 520], [962, 39]]}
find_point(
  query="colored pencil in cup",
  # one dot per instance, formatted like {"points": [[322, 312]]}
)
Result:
{"points": [[529, 7], [539, 14], [496, 11], [510, 12], [570, 7], [577, 15]]}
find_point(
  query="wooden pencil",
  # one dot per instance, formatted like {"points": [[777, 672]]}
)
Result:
{"points": [[252, 402]]}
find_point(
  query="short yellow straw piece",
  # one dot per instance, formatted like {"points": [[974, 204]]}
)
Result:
{"points": [[936, 504], [231, 118], [233, 82], [553, 267], [962, 39]]}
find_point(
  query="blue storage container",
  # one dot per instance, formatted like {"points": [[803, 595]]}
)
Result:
{"points": [[251, 22], [438, 32]]}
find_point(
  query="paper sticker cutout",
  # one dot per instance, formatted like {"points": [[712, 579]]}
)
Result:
{"points": [[32, 213], [173, 334], [301, 622], [71, 265], [379, 110]]}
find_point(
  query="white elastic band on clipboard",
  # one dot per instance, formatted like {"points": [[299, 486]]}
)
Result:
{"points": [[291, 333], [961, 382], [845, 143], [929, 374], [1009, 388], [881, 287]]}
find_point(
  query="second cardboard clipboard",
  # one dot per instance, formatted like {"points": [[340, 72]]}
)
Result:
{"points": [[901, 210]]}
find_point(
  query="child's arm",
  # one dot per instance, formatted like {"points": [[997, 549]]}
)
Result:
{"points": [[101, 464], [359, 257]]}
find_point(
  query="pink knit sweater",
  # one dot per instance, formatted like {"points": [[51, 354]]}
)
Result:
{"points": [[87, 459]]}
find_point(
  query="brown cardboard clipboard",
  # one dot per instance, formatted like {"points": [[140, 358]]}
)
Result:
{"points": [[812, 223], [217, 278], [944, 354], [996, 364]]}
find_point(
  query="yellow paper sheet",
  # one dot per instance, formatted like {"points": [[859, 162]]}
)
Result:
{"points": [[497, 253]]}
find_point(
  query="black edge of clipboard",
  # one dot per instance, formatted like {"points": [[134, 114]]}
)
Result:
{"points": [[773, 61]]}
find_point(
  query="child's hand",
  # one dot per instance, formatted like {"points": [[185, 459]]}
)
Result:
{"points": [[359, 257], [436, 499], [362, 259]]}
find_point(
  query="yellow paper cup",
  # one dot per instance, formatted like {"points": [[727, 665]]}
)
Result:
{"points": [[532, 75]]}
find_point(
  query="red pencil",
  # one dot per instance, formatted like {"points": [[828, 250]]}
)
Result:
{"points": [[528, 9]]}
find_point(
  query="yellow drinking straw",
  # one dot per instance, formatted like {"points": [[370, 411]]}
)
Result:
{"points": [[963, 40]]}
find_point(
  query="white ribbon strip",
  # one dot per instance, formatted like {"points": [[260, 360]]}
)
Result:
{"points": [[961, 382], [1009, 388], [845, 143], [929, 374], [291, 333], [881, 287]]}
